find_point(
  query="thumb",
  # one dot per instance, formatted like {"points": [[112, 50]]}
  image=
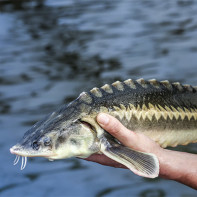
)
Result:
{"points": [[115, 128]]}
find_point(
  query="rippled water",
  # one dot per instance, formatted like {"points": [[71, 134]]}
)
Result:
{"points": [[52, 50]]}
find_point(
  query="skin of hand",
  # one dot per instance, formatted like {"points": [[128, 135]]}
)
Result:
{"points": [[178, 166]]}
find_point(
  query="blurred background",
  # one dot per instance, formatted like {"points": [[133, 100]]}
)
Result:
{"points": [[51, 51]]}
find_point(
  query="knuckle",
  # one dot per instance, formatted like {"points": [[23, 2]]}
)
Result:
{"points": [[114, 127]]}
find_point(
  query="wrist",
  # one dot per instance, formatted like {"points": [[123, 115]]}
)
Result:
{"points": [[170, 166], [164, 163]]}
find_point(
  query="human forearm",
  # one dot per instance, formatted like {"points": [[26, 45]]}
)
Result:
{"points": [[174, 165], [178, 166]]}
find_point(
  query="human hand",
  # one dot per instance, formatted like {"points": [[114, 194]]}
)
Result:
{"points": [[178, 166], [136, 141]]}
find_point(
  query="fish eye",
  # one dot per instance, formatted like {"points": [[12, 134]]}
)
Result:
{"points": [[35, 145], [47, 141]]}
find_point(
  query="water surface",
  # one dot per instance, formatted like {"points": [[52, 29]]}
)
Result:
{"points": [[50, 51]]}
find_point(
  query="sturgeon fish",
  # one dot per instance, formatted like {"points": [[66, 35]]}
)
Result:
{"points": [[166, 112]]}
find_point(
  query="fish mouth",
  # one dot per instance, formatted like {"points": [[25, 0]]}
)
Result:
{"points": [[16, 150]]}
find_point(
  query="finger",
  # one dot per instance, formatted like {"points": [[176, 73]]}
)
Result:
{"points": [[115, 128]]}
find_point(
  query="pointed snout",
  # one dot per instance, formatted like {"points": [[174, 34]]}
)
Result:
{"points": [[12, 150], [21, 151], [15, 150]]}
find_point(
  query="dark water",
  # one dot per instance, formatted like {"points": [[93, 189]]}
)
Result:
{"points": [[50, 51]]}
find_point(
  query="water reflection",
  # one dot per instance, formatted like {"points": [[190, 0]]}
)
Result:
{"points": [[153, 193]]}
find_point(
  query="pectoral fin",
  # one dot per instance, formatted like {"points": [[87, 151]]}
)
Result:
{"points": [[143, 164]]}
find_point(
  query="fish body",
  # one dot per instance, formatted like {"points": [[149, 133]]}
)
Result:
{"points": [[166, 112]]}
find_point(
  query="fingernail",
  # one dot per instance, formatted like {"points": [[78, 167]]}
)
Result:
{"points": [[103, 119]]}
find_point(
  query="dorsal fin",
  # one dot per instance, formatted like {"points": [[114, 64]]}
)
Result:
{"points": [[144, 83]]}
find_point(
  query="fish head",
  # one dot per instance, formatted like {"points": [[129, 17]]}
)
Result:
{"points": [[60, 135]]}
